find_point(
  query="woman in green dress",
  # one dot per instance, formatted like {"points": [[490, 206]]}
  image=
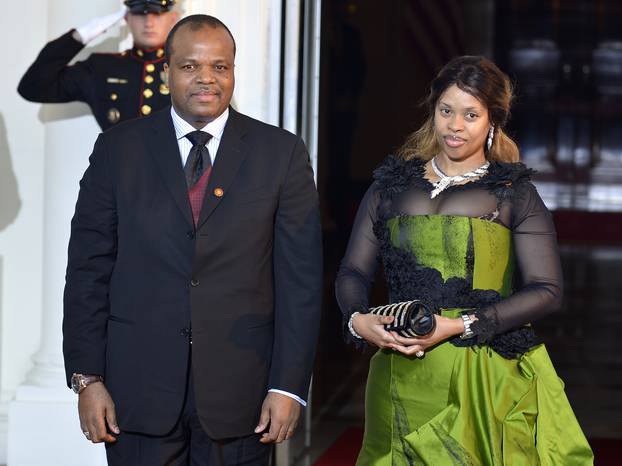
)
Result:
{"points": [[451, 217]]}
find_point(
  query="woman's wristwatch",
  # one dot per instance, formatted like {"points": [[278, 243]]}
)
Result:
{"points": [[468, 333]]}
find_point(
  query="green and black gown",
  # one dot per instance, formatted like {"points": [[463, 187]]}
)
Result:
{"points": [[494, 399]]}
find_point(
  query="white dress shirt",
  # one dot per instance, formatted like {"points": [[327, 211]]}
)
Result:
{"points": [[215, 128]]}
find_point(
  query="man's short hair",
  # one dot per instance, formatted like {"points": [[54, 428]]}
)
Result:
{"points": [[195, 22]]}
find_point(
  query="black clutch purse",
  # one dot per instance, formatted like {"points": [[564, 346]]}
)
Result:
{"points": [[412, 318]]}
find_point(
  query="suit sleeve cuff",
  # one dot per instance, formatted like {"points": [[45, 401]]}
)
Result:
{"points": [[291, 395]]}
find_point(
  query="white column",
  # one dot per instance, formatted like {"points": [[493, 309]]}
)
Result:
{"points": [[256, 27], [21, 175], [291, 61], [43, 419]]}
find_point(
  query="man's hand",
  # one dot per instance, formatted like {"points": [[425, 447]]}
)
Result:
{"points": [[280, 413], [96, 410]]}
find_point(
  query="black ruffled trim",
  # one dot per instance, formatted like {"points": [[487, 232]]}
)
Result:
{"points": [[510, 345], [396, 175], [505, 179], [485, 327], [515, 343], [407, 280]]}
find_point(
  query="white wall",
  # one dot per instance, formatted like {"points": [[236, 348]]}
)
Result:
{"points": [[21, 209], [29, 132], [256, 26]]}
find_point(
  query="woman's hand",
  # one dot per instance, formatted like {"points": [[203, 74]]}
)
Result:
{"points": [[445, 328], [371, 328]]}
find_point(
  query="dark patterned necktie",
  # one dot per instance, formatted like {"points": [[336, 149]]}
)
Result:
{"points": [[198, 159]]}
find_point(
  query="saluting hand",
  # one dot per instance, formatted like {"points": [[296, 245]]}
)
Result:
{"points": [[97, 26]]}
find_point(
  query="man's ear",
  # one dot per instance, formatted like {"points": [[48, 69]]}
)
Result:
{"points": [[166, 72]]}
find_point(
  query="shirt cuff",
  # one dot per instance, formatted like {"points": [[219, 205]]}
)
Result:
{"points": [[291, 395]]}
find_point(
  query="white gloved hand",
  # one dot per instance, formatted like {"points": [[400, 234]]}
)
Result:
{"points": [[98, 26]]}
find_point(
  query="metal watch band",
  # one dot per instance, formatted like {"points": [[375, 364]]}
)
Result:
{"points": [[80, 381], [468, 333]]}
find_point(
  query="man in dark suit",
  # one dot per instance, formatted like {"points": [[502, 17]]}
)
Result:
{"points": [[193, 284], [116, 86]]}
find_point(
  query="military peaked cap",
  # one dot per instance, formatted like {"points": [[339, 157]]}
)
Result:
{"points": [[149, 6]]}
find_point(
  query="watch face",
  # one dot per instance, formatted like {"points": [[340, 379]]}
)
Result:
{"points": [[76, 382]]}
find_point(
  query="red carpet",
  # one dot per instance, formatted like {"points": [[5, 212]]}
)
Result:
{"points": [[343, 452], [345, 449]]}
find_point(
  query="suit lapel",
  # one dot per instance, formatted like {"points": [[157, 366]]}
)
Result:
{"points": [[231, 153], [162, 144]]}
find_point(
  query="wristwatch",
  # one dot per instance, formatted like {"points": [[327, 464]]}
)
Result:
{"points": [[80, 381], [468, 333]]}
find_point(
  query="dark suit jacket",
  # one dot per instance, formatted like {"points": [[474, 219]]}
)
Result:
{"points": [[247, 280]]}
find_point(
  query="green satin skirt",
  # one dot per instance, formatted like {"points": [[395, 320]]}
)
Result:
{"points": [[469, 406]]}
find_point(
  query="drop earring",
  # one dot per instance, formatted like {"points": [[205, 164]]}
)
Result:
{"points": [[491, 135]]}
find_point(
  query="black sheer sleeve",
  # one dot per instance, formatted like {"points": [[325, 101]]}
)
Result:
{"points": [[538, 261], [358, 267]]}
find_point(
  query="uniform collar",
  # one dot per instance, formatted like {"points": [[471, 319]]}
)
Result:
{"points": [[154, 54]]}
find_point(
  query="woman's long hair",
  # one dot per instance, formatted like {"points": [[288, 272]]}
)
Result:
{"points": [[482, 79]]}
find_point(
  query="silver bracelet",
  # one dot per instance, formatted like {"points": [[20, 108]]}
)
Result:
{"points": [[351, 328], [468, 333]]}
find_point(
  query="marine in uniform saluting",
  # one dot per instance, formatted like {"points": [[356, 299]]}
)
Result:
{"points": [[116, 86]]}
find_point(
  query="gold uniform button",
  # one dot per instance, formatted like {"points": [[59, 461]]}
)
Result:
{"points": [[150, 68], [145, 109], [148, 93], [139, 53], [218, 192], [164, 89], [160, 53], [148, 79], [113, 115], [114, 96]]}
